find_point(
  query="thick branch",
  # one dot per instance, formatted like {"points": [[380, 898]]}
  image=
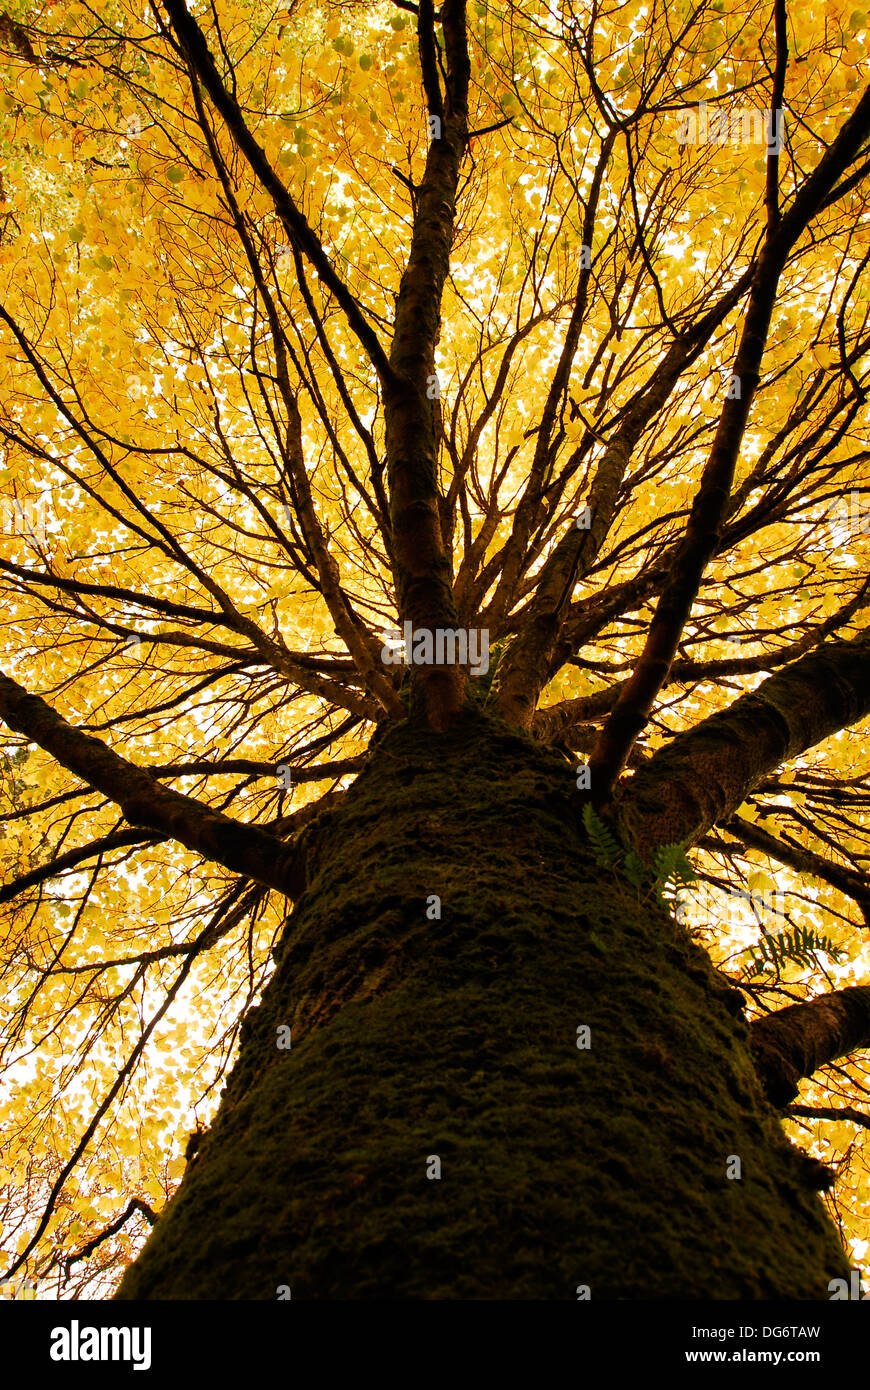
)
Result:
{"points": [[205, 767], [245, 849], [796, 1041], [710, 506], [702, 776], [421, 562], [428, 58]]}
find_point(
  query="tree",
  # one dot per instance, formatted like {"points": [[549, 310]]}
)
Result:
{"points": [[433, 448]]}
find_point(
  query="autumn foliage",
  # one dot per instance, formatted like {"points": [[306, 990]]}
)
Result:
{"points": [[319, 318]]}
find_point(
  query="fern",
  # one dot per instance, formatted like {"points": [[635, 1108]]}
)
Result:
{"points": [[607, 851], [673, 870], [635, 869], [670, 866], [486, 687], [798, 947]]}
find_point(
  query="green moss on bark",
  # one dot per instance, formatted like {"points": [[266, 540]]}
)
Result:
{"points": [[457, 1038]]}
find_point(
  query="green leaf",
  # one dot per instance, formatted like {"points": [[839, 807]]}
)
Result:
{"points": [[799, 947], [607, 850], [634, 868], [174, 174], [670, 862]]}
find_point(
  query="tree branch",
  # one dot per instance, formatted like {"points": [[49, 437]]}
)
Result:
{"points": [[71, 859], [135, 1204], [702, 776], [420, 561], [523, 670], [428, 62], [193, 43], [709, 508], [830, 1112], [794, 1042], [854, 885], [245, 849], [556, 722]]}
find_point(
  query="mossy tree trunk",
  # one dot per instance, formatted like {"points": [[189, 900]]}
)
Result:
{"points": [[645, 1165]]}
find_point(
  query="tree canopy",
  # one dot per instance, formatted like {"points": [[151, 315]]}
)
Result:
{"points": [[544, 320]]}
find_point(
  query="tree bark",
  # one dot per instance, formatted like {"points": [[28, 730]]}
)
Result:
{"points": [[700, 777], [246, 849], [794, 1042], [416, 1038]]}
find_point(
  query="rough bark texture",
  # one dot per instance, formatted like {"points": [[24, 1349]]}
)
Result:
{"points": [[457, 1037], [700, 778], [421, 565], [247, 849], [796, 1041]]}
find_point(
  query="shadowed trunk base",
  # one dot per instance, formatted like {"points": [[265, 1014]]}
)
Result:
{"points": [[456, 1040]]}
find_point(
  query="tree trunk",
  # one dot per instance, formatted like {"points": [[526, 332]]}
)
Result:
{"points": [[415, 1038]]}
